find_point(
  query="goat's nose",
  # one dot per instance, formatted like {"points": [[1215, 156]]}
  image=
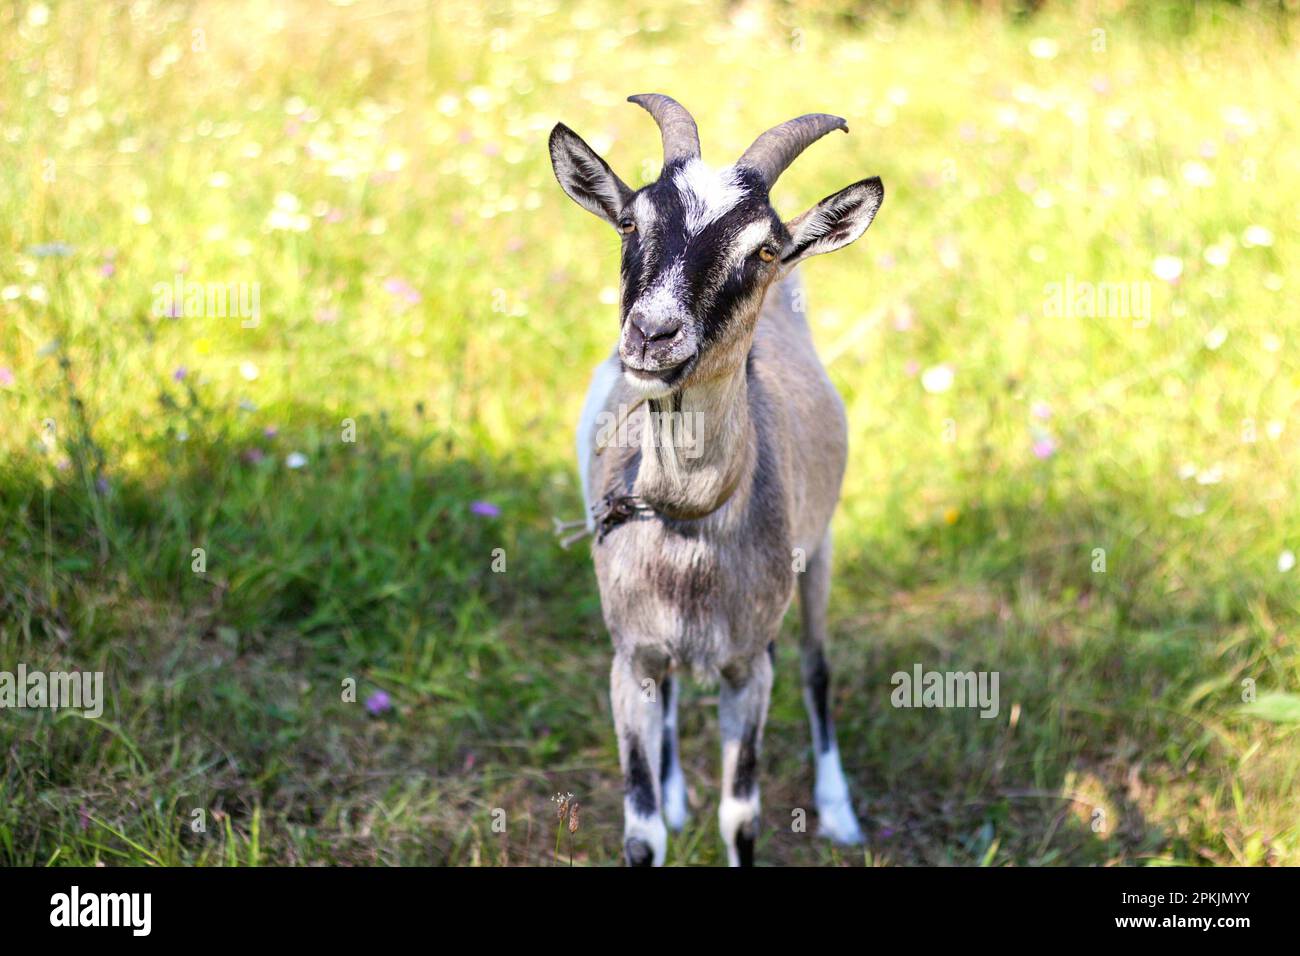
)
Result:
{"points": [[647, 331]]}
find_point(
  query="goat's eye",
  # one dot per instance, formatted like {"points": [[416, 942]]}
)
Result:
{"points": [[767, 252], [626, 226]]}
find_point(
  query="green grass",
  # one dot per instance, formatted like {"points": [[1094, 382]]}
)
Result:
{"points": [[159, 138]]}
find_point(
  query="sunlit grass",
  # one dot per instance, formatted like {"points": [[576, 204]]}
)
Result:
{"points": [[376, 174]]}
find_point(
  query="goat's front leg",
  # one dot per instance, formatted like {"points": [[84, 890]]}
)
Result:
{"points": [[636, 689], [742, 712]]}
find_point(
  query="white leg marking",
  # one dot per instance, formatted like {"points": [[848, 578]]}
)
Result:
{"points": [[733, 813], [675, 809], [834, 805], [650, 830]]}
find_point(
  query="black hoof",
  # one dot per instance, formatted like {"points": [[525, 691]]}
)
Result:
{"points": [[638, 853], [745, 845]]}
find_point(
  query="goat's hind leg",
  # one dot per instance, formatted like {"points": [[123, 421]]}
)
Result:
{"points": [[670, 770], [636, 686], [831, 790]]}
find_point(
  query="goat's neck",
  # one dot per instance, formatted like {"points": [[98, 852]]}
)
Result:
{"points": [[698, 447]]}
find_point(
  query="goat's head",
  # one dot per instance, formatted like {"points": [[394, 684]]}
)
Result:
{"points": [[701, 246]]}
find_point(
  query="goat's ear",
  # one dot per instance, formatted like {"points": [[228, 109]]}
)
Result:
{"points": [[835, 221], [585, 176]]}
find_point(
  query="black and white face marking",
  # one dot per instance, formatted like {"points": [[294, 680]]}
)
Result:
{"points": [[699, 247]]}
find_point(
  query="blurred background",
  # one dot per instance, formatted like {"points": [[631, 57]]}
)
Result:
{"points": [[295, 325]]}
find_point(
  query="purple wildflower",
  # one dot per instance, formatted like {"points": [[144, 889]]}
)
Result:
{"points": [[485, 509], [402, 290], [1044, 448], [378, 703], [180, 373], [6, 375]]}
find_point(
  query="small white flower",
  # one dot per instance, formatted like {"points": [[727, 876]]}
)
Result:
{"points": [[280, 219], [609, 295], [142, 215], [937, 378], [1156, 187], [1236, 116], [295, 460], [1167, 268], [1210, 476], [1197, 174], [1215, 337], [1256, 236], [1043, 48], [1216, 255], [1286, 561], [248, 370]]}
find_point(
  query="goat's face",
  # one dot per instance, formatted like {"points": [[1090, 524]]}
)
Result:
{"points": [[699, 249], [701, 246]]}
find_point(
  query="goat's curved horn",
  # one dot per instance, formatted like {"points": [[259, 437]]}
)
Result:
{"points": [[776, 149], [681, 137]]}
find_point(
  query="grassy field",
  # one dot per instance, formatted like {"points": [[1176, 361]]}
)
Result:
{"points": [[1094, 495]]}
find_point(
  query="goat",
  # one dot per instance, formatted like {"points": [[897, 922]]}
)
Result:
{"points": [[698, 549]]}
